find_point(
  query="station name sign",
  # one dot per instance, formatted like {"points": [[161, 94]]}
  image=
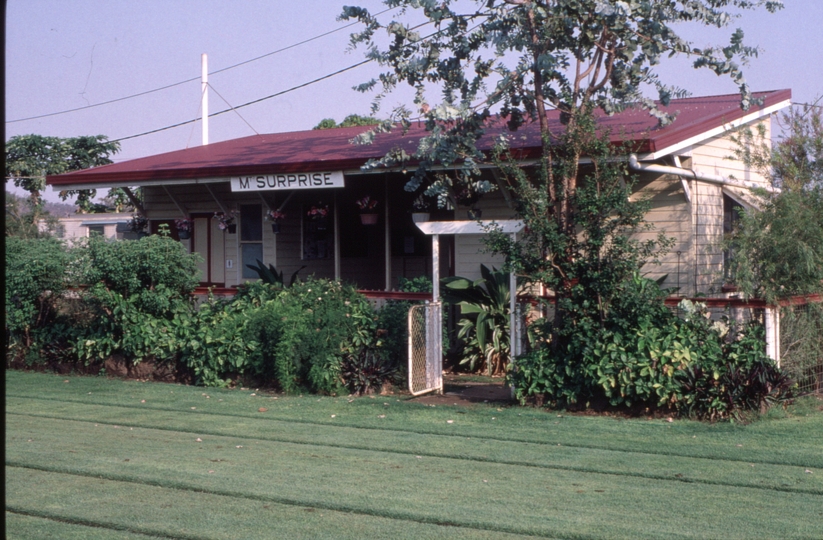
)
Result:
{"points": [[288, 181]]}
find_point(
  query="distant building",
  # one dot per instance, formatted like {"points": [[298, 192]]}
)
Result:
{"points": [[112, 226]]}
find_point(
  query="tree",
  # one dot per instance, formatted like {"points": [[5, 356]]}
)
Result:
{"points": [[30, 158], [513, 60], [23, 219], [778, 248], [796, 162], [350, 120]]}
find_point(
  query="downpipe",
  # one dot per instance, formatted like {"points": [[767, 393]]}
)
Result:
{"points": [[635, 164]]}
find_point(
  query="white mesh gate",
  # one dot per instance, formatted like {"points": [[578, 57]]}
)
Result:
{"points": [[425, 349]]}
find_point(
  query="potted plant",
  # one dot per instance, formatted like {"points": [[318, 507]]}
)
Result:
{"points": [[275, 216], [184, 228], [226, 221], [366, 205], [420, 209], [318, 214], [138, 225]]}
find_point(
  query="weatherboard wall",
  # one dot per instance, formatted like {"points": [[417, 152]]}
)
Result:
{"points": [[669, 214]]}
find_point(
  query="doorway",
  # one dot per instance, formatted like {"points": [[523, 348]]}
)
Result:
{"points": [[208, 241]]}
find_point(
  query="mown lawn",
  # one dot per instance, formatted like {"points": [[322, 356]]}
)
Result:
{"points": [[90, 457]]}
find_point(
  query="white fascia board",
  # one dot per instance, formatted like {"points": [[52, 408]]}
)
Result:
{"points": [[742, 198], [508, 226], [412, 168], [725, 128], [103, 222], [144, 183]]}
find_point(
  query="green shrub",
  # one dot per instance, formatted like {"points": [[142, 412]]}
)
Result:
{"points": [[212, 342], [305, 333], [139, 305], [695, 366], [131, 326], [154, 270], [366, 371], [393, 322], [139, 292], [741, 379], [36, 279], [269, 274], [295, 338]]}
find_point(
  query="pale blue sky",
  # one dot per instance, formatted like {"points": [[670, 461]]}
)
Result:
{"points": [[65, 54]]}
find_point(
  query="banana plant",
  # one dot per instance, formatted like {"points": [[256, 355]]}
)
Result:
{"points": [[484, 317]]}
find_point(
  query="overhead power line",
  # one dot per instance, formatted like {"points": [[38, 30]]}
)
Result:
{"points": [[293, 88], [166, 87]]}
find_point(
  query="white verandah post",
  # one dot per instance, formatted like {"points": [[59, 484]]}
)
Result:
{"points": [[773, 333]]}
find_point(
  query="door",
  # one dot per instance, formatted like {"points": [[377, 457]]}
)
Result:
{"points": [[208, 241]]}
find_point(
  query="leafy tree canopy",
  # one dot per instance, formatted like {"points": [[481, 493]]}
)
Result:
{"points": [[778, 249], [796, 162], [30, 158], [350, 120]]}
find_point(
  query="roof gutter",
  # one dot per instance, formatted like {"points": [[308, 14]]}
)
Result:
{"points": [[690, 173]]}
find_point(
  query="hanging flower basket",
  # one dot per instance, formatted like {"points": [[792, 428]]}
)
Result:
{"points": [[275, 216], [138, 224], [226, 221], [366, 205], [184, 228], [319, 217], [368, 219], [467, 197]]}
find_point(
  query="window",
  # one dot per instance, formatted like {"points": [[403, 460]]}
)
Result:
{"points": [[251, 237], [731, 215], [96, 230]]}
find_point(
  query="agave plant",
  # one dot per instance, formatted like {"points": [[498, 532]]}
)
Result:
{"points": [[484, 317], [271, 275]]}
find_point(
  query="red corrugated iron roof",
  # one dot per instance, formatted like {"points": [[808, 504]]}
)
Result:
{"points": [[331, 149]]}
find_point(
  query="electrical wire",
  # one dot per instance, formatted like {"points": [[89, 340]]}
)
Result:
{"points": [[233, 109], [303, 85], [293, 88], [166, 87]]}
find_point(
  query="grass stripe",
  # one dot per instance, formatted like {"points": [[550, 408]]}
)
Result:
{"points": [[33, 525], [700, 445], [164, 495], [90, 529], [696, 470], [478, 495]]}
